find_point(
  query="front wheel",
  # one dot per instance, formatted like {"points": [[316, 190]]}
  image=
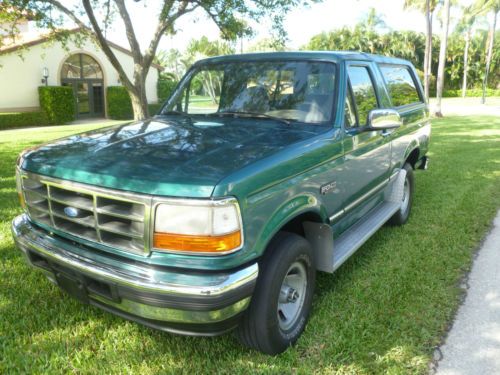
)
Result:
{"points": [[282, 299]]}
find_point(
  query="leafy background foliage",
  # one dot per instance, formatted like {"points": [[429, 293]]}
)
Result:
{"points": [[118, 103], [165, 87]]}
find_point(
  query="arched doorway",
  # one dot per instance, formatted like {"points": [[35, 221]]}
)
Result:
{"points": [[84, 74]]}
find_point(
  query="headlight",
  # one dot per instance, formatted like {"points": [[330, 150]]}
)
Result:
{"points": [[205, 227]]}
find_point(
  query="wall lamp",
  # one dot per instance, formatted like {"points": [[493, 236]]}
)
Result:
{"points": [[45, 74]]}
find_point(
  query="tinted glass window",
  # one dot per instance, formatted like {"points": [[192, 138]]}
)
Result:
{"points": [[400, 84], [364, 92], [292, 90]]}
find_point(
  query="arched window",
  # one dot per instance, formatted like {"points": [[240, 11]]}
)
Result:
{"points": [[81, 66]]}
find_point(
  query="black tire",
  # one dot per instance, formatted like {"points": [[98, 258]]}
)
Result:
{"points": [[402, 215], [262, 325]]}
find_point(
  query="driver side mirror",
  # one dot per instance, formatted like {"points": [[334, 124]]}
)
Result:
{"points": [[382, 119]]}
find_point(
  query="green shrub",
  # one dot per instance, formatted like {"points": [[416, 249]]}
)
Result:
{"points": [[164, 88], [432, 82], [19, 119], [58, 102], [470, 93], [119, 103], [154, 108]]}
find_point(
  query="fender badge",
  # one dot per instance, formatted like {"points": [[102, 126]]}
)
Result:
{"points": [[328, 188]]}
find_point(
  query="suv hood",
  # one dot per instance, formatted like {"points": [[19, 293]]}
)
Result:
{"points": [[170, 156]]}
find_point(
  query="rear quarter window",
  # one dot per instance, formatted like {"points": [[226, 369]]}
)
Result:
{"points": [[401, 85]]}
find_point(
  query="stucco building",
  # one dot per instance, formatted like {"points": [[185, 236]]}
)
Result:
{"points": [[82, 66]]}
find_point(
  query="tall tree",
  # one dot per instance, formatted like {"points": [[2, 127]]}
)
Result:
{"points": [[492, 6], [427, 7], [442, 57], [93, 17], [465, 27]]}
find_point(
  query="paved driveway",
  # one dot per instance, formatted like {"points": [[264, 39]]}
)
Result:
{"points": [[473, 344], [468, 106]]}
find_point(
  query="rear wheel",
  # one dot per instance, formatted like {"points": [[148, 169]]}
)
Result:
{"points": [[282, 299], [402, 215]]}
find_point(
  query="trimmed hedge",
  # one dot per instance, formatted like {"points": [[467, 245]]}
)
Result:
{"points": [[154, 108], [164, 88], [470, 93], [119, 103], [20, 119], [58, 102]]}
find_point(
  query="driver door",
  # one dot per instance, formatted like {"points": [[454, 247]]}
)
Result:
{"points": [[367, 153]]}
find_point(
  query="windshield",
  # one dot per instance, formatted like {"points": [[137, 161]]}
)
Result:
{"points": [[289, 90]]}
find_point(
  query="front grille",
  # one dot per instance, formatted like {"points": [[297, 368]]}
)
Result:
{"points": [[108, 217]]}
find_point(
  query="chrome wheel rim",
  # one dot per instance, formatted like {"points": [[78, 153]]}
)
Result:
{"points": [[292, 295], [406, 196]]}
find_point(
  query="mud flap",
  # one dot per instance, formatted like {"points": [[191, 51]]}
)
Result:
{"points": [[320, 236]]}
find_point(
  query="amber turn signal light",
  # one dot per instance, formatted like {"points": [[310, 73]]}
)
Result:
{"points": [[198, 244]]}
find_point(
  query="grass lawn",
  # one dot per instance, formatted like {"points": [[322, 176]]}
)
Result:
{"points": [[382, 312]]}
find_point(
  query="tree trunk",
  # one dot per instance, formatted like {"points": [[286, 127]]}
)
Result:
{"points": [[138, 99], [429, 62], [138, 94], [428, 46], [442, 58], [490, 55], [466, 62]]}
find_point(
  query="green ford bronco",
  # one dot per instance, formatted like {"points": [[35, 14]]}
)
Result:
{"points": [[215, 214]]}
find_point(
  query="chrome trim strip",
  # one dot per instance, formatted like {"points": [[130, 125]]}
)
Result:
{"points": [[22, 230], [96, 218], [175, 315], [394, 174], [337, 215], [366, 195], [49, 202], [95, 193]]}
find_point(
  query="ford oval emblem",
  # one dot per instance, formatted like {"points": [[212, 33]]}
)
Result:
{"points": [[71, 211]]}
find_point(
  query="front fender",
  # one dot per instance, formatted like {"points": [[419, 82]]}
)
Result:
{"points": [[286, 212], [414, 144]]}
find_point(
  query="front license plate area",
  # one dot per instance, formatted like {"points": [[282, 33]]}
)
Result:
{"points": [[72, 285]]}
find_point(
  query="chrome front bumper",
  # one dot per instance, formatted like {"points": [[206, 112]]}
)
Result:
{"points": [[187, 302]]}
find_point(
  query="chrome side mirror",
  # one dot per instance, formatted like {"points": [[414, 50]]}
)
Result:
{"points": [[381, 119]]}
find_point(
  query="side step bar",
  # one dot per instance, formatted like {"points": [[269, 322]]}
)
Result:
{"points": [[352, 239], [330, 253]]}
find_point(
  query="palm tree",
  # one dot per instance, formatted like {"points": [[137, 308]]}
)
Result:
{"points": [[427, 7], [492, 6], [442, 57], [465, 26]]}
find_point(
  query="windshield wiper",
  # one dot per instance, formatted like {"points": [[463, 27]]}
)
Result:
{"points": [[251, 114]]}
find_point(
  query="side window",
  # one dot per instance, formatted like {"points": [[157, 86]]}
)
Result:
{"points": [[363, 90], [401, 85], [349, 111]]}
